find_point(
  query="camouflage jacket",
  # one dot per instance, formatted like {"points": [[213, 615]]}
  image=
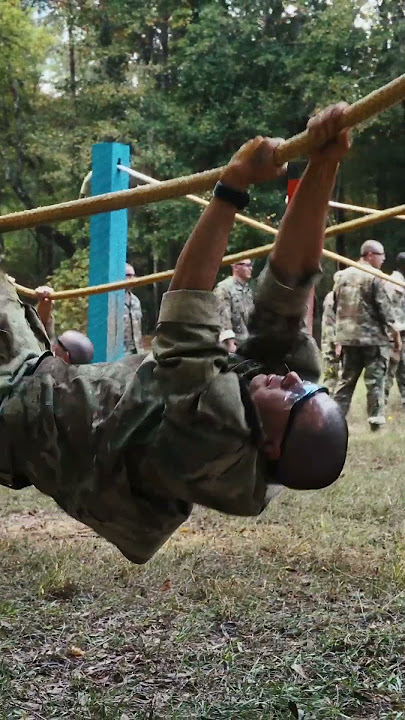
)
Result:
{"points": [[236, 304], [364, 312], [397, 297], [132, 324], [328, 321], [128, 447]]}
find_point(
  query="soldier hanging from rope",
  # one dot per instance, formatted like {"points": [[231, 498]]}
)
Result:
{"points": [[128, 449]]}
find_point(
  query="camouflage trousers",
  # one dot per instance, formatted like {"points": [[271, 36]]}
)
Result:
{"points": [[396, 369], [330, 365], [374, 360]]}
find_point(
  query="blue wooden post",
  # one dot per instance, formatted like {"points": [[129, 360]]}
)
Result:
{"points": [[108, 249]]}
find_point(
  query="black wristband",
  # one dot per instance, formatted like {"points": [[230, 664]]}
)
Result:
{"points": [[237, 198]]}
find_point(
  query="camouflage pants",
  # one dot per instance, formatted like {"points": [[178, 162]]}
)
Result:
{"points": [[373, 359], [330, 364], [396, 370]]}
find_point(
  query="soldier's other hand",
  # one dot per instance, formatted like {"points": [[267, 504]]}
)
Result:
{"points": [[44, 293], [45, 304], [254, 162], [327, 141]]}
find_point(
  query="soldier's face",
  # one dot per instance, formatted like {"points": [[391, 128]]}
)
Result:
{"points": [[243, 270], [376, 259], [59, 351], [274, 397]]}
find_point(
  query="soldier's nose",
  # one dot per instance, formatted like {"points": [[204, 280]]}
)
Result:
{"points": [[289, 380]]}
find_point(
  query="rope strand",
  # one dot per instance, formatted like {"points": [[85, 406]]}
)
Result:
{"points": [[296, 146], [261, 251]]}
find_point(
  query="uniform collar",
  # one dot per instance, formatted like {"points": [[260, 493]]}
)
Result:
{"points": [[239, 282]]}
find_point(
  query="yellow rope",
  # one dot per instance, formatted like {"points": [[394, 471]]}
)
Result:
{"points": [[358, 112], [296, 146], [362, 222], [359, 208], [261, 251]]}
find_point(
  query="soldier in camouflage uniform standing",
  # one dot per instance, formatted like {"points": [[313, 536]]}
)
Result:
{"points": [[132, 318], [331, 350], [365, 326], [236, 300], [397, 358]]}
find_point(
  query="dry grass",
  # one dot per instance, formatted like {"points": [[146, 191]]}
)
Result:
{"points": [[298, 614]]}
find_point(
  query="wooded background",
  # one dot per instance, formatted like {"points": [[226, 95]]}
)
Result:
{"points": [[185, 83]]}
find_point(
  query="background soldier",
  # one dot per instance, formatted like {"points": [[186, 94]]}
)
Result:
{"points": [[132, 318], [397, 359], [236, 300], [365, 324], [227, 338], [331, 350]]}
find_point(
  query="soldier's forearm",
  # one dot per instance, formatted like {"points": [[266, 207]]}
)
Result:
{"points": [[200, 259], [299, 242], [45, 312]]}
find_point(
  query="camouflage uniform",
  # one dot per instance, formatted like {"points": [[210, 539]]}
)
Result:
{"points": [[331, 362], [364, 320], [132, 324], [127, 448], [236, 304], [397, 359]]}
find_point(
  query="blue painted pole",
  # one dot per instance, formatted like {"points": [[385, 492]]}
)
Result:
{"points": [[108, 250]]}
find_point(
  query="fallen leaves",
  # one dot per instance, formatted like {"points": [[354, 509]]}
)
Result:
{"points": [[75, 651], [166, 585]]}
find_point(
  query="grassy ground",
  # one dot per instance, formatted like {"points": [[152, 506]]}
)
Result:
{"points": [[297, 614]]}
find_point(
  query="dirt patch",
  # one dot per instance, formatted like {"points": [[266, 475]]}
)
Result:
{"points": [[42, 523]]}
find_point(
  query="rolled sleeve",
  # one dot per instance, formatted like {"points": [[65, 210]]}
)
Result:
{"points": [[203, 449], [186, 347], [278, 338], [280, 298], [198, 307]]}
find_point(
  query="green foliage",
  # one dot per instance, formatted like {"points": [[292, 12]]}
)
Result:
{"points": [[185, 83], [72, 273]]}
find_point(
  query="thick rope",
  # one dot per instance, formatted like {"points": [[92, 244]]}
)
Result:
{"points": [[296, 146], [380, 216], [359, 208], [198, 200], [261, 251]]}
